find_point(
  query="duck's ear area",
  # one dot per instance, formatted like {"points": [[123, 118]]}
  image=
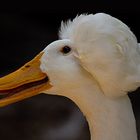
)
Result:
{"points": [[27, 81], [115, 67], [120, 49]]}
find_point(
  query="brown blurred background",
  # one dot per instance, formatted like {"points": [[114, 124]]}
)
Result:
{"points": [[26, 29]]}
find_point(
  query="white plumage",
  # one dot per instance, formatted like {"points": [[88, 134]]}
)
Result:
{"points": [[101, 68], [95, 63], [107, 49]]}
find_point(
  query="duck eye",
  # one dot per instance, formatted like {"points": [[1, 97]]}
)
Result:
{"points": [[65, 49]]}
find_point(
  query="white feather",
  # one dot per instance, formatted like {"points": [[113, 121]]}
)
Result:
{"points": [[107, 49], [104, 62]]}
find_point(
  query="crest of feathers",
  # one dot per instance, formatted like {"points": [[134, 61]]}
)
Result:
{"points": [[108, 50]]}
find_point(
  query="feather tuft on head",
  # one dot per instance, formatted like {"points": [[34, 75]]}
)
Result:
{"points": [[107, 49]]}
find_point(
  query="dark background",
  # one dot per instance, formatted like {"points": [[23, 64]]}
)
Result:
{"points": [[26, 29]]}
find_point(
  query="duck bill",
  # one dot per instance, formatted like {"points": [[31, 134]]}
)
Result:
{"points": [[27, 81]]}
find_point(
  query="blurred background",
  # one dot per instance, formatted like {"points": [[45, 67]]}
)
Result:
{"points": [[25, 30]]}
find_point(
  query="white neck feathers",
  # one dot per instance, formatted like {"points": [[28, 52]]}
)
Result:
{"points": [[109, 119]]}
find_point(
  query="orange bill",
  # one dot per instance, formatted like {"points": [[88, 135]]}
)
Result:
{"points": [[27, 81]]}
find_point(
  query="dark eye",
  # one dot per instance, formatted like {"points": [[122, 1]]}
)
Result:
{"points": [[65, 49]]}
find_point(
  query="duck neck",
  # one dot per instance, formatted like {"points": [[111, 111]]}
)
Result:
{"points": [[108, 119]]}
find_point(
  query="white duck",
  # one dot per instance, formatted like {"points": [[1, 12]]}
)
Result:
{"points": [[95, 64]]}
